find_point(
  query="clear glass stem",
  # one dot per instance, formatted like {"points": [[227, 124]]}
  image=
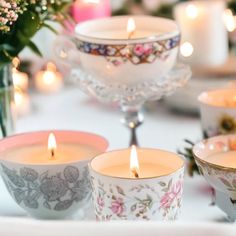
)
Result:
{"points": [[133, 118]]}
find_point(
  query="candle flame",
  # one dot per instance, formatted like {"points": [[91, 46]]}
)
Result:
{"points": [[192, 11], [52, 144], [134, 163], [18, 96], [131, 26], [15, 62], [49, 75], [229, 20], [186, 49]]}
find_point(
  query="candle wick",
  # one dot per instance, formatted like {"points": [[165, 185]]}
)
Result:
{"points": [[131, 34], [52, 153], [136, 175]]}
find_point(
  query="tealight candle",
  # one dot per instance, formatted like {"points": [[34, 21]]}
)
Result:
{"points": [[218, 113], [49, 80], [46, 172], [83, 10], [124, 180], [22, 102], [202, 26], [20, 79]]}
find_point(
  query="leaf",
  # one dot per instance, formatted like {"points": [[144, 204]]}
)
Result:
{"points": [[133, 207], [47, 205], [13, 177], [43, 176], [225, 182], [31, 203], [19, 195], [63, 205], [34, 48], [170, 183], [49, 27], [120, 190], [162, 184]]}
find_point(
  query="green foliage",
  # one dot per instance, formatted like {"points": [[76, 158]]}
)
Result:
{"points": [[187, 152], [31, 17]]}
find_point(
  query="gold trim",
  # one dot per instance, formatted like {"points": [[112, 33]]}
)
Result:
{"points": [[215, 166]]}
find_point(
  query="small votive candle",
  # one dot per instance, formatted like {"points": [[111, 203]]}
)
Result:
{"points": [[218, 111], [83, 10], [46, 172], [20, 79], [204, 35], [137, 184], [22, 102], [49, 80]]}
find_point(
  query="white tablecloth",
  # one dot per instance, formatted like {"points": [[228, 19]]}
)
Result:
{"points": [[70, 109]]}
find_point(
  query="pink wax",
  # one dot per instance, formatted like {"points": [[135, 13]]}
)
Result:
{"points": [[83, 10]]}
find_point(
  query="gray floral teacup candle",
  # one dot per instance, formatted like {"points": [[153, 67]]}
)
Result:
{"points": [[49, 181], [137, 184], [218, 111]]}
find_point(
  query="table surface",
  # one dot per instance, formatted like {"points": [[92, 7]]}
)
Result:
{"points": [[70, 109]]}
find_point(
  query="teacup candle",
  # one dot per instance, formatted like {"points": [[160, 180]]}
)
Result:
{"points": [[218, 111], [49, 181], [137, 184], [215, 158]]}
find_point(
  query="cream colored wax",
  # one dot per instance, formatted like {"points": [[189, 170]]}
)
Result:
{"points": [[145, 171], [123, 34], [226, 159], [39, 154]]}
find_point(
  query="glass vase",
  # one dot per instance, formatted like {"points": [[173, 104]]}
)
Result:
{"points": [[6, 101]]}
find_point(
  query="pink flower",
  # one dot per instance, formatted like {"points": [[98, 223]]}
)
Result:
{"points": [[147, 49], [100, 202], [139, 49], [117, 206], [169, 197]]}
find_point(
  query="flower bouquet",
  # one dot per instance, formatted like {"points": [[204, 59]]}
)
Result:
{"points": [[19, 21]]}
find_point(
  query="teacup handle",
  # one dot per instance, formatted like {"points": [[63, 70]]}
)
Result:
{"points": [[66, 52]]}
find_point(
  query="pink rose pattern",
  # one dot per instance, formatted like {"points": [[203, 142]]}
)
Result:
{"points": [[174, 193], [117, 206], [115, 203]]}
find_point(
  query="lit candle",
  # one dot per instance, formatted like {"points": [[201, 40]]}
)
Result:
{"points": [[229, 20], [105, 52], [49, 80], [20, 79], [22, 103], [204, 36], [50, 170], [125, 178], [83, 10], [218, 113]]}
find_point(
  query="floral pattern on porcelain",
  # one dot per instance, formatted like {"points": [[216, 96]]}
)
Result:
{"points": [[139, 53], [143, 201], [226, 124], [56, 192]]}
